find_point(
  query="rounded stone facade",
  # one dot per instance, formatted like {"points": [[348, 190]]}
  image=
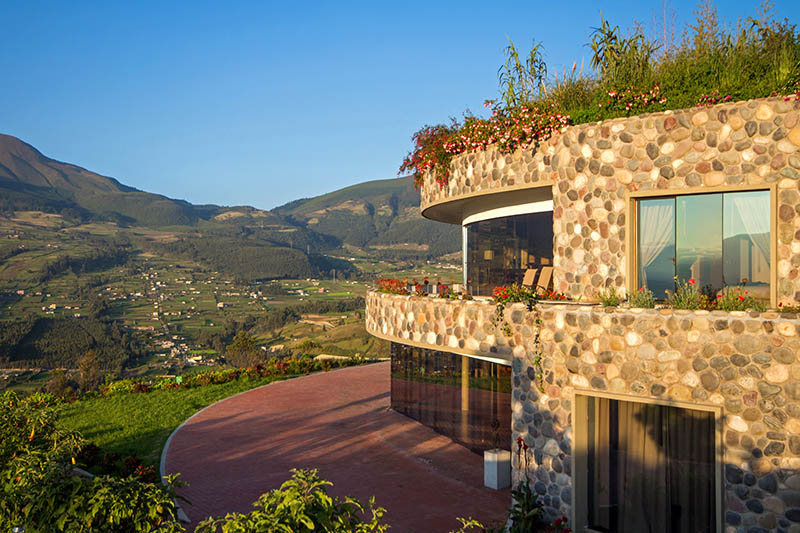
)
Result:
{"points": [[593, 169]]}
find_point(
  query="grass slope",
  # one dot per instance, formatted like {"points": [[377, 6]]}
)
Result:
{"points": [[141, 423]]}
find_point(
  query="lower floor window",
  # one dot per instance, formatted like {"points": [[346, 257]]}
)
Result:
{"points": [[648, 468], [466, 399]]}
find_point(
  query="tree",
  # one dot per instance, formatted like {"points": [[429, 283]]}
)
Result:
{"points": [[244, 351], [89, 369]]}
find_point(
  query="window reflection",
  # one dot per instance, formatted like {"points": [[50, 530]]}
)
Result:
{"points": [[427, 386], [745, 245], [500, 250], [657, 245], [698, 239], [718, 239]]}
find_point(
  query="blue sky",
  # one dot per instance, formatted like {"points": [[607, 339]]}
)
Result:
{"points": [[261, 103]]}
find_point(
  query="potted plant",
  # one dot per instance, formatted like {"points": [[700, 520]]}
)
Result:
{"points": [[497, 463]]}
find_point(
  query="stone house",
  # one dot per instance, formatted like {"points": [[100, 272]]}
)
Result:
{"points": [[623, 419]]}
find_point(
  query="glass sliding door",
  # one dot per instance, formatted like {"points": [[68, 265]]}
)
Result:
{"points": [[649, 468], [656, 247], [718, 239], [698, 239], [745, 244]]}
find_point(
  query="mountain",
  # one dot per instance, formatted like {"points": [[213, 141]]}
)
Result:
{"points": [[381, 215], [34, 180]]}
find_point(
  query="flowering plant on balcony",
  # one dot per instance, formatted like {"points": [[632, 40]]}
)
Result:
{"points": [[736, 299], [687, 295], [508, 128], [631, 101], [392, 285]]}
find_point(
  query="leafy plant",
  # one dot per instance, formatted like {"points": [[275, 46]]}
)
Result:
{"points": [[522, 83], [301, 504], [609, 297], [622, 61], [687, 295], [737, 299], [38, 485], [642, 297]]}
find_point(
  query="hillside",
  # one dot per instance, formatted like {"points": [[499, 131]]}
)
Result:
{"points": [[380, 215]]}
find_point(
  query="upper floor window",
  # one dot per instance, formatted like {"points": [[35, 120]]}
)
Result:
{"points": [[718, 239], [500, 250]]}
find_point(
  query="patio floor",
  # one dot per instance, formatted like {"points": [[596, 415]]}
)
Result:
{"points": [[338, 422]]}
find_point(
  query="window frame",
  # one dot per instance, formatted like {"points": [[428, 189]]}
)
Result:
{"points": [[632, 228], [580, 450]]}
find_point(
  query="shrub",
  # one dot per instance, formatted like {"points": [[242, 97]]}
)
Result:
{"points": [[737, 299], [38, 486], [633, 74], [687, 296], [609, 297], [300, 505], [643, 297]]}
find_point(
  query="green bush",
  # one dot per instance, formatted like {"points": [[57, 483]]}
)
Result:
{"points": [[38, 484], [687, 296], [737, 299], [643, 297], [609, 297], [301, 505]]}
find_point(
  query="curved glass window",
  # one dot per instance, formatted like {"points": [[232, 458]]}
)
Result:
{"points": [[466, 399], [499, 251]]}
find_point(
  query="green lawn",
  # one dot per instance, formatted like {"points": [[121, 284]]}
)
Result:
{"points": [[141, 423]]}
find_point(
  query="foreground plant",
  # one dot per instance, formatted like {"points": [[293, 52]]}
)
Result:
{"points": [[301, 505], [737, 299], [38, 483], [687, 295], [526, 515], [643, 297]]}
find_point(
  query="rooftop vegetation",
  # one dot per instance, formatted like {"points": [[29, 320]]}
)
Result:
{"points": [[629, 73]]}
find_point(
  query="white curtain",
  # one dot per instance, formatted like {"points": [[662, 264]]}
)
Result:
{"points": [[754, 214], [656, 232]]}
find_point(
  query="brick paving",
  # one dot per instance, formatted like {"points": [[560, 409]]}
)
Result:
{"points": [[339, 422]]}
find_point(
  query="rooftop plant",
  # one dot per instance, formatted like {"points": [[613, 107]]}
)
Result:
{"points": [[630, 73]]}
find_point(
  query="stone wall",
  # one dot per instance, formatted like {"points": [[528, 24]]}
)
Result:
{"points": [[463, 327], [744, 363], [594, 167]]}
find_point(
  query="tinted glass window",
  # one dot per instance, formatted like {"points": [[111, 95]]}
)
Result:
{"points": [[500, 250], [649, 468], [698, 239], [430, 387], [657, 245]]}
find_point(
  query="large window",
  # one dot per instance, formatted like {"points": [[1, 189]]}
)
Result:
{"points": [[717, 239], [500, 250], [644, 468], [466, 399]]}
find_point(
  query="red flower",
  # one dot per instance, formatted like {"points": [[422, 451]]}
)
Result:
{"points": [[692, 281]]}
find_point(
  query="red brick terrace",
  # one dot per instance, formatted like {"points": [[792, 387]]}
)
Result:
{"points": [[339, 422]]}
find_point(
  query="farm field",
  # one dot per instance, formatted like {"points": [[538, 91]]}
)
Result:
{"points": [[179, 311]]}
